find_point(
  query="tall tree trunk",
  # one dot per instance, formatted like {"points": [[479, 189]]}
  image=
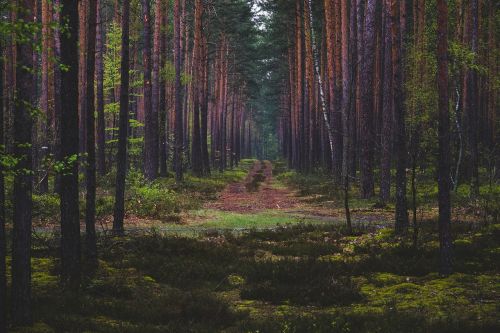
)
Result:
{"points": [[196, 153], [82, 72], [121, 160], [22, 202], [299, 85], [70, 217], [346, 105], [3, 247], [57, 96], [90, 174], [473, 112], [150, 113], [163, 105], [387, 109], [178, 135], [45, 97], [99, 76], [445, 242], [204, 109], [366, 112], [156, 85], [399, 116], [319, 81]]}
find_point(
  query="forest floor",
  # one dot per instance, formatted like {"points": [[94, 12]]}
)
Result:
{"points": [[267, 256], [259, 202]]}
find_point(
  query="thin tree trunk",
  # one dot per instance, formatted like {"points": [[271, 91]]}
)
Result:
{"points": [[45, 103], [196, 153], [346, 105], [121, 169], [101, 122], [387, 109], [156, 85], [204, 109], [320, 83], [90, 174], [150, 112], [178, 137], [366, 112], [57, 96], [3, 247], [163, 128], [445, 242], [473, 112], [399, 115], [82, 72]]}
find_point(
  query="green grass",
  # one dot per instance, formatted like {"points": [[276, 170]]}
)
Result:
{"points": [[215, 221], [256, 220]]}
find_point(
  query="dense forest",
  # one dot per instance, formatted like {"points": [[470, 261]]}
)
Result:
{"points": [[249, 166]]}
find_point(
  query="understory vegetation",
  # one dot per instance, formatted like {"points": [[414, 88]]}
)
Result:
{"points": [[271, 271], [300, 278]]}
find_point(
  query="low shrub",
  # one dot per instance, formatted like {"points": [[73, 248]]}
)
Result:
{"points": [[46, 206]]}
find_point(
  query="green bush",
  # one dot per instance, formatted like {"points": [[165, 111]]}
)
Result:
{"points": [[104, 205], [46, 206], [155, 201]]}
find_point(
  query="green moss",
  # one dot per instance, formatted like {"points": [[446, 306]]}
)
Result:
{"points": [[38, 327], [235, 280]]}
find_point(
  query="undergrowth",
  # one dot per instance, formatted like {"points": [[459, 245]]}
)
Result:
{"points": [[303, 278]]}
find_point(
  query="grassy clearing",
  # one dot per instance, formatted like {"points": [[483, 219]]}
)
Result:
{"points": [[259, 220]]}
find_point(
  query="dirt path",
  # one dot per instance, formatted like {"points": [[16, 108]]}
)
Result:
{"points": [[256, 193]]}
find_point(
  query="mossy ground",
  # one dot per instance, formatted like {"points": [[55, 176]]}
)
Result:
{"points": [[301, 278]]}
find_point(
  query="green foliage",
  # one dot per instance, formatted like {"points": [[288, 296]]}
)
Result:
{"points": [[112, 58], [46, 207]]}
